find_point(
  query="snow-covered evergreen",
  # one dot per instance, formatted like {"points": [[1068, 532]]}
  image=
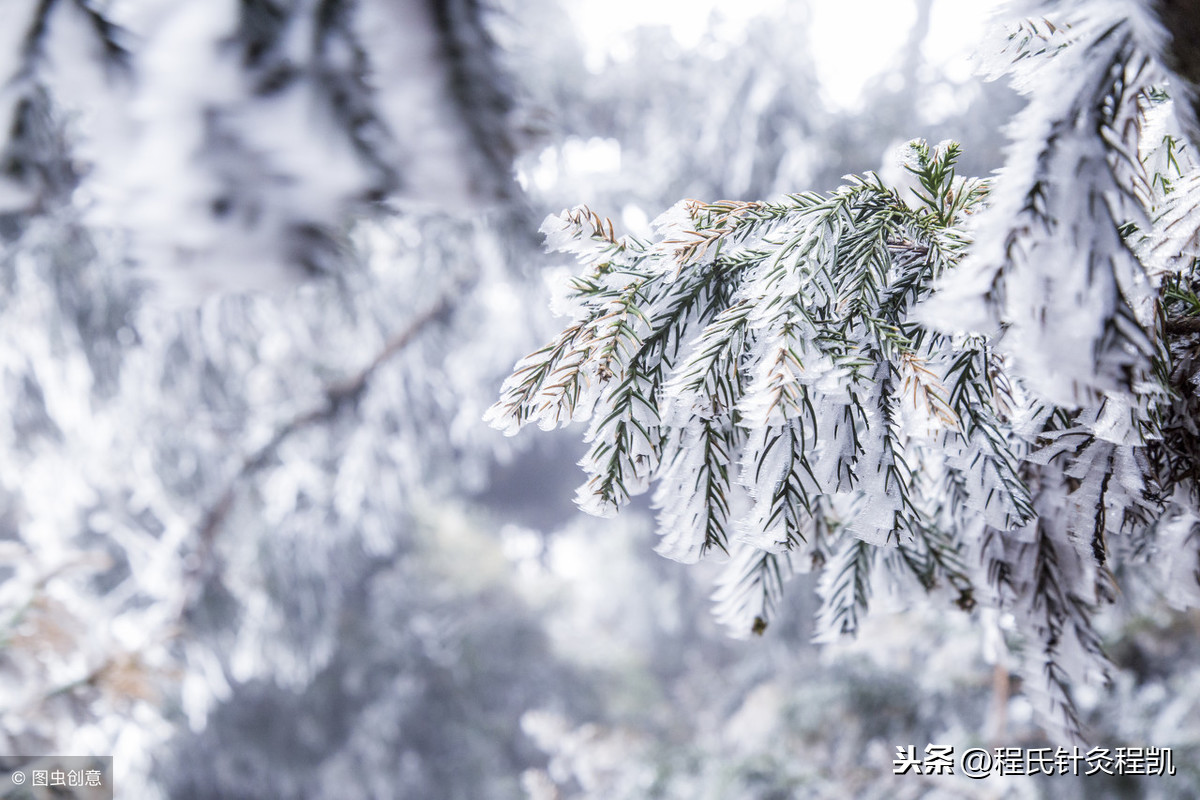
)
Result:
{"points": [[979, 388]]}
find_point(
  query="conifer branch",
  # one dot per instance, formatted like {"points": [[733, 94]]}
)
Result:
{"points": [[337, 397]]}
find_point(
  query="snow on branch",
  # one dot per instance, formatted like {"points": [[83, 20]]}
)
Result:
{"points": [[759, 363], [987, 390], [235, 142], [782, 375], [1050, 268]]}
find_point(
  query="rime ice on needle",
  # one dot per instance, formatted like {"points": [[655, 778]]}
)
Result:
{"points": [[988, 392], [790, 379], [758, 363]]}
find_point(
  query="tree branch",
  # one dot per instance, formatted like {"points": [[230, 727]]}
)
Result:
{"points": [[337, 396], [1181, 18], [1182, 326]]}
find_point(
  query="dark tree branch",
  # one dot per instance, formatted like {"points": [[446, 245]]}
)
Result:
{"points": [[482, 92], [1181, 18], [1182, 325]]}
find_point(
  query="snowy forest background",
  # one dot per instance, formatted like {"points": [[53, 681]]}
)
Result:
{"points": [[255, 537]]}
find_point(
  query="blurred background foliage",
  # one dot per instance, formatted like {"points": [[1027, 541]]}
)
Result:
{"points": [[265, 547]]}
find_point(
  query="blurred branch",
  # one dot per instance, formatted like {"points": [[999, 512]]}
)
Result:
{"points": [[1182, 23], [1183, 325], [337, 396]]}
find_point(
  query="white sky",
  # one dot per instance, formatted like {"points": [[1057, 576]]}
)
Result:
{"points": [[604, 22], [877, 28]]}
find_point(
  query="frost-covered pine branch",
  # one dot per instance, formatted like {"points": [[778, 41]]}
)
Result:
{"points": [[234, 143], [1050, 267], [760, 363], [781, 374]]}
